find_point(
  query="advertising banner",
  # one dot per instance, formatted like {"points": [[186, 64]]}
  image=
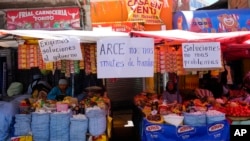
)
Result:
{"points": [[152, 13], [223, 20], [56, 18], [147, 11], [219, 131], [125, 58]]}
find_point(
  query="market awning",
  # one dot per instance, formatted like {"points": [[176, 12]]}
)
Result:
{"points": [[84, 36], [234, 44]]}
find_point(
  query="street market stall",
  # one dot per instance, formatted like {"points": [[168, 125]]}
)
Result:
{"points": [[204, 118], [138, 53], [32, 109]]}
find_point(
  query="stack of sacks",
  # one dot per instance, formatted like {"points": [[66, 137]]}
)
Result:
{"points": [[59, 126], [40, 126], [22, 124], [97, 120], [78, 128]]}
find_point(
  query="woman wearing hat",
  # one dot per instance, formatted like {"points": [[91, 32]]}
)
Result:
{"points": [[60, 91]]}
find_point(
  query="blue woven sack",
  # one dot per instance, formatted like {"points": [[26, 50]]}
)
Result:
{"points": [[215, 118], [78, 129], [97, 121], [195, 119], [59, 126], [22, 124], [40, 126]]}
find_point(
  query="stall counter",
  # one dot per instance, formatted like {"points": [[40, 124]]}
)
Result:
{"points": [[219, 131]]}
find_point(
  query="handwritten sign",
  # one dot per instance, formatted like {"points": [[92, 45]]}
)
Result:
{"points": [[125, 57], [64, 49], [201, 55]]}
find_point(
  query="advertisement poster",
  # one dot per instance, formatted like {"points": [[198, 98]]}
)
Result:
{"points": [[150, 14], [223, 20], [125, 58], [147, 11], [56, 18]]}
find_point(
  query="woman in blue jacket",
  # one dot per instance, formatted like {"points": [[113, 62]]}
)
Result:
{"points": [[58, 92]]}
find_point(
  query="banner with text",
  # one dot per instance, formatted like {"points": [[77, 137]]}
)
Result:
{"points": [[147, 11], [56, 18], [125, 58], [64, 49], [201, 55]]}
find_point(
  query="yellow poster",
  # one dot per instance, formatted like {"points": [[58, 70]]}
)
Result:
{"points": [[147, 11]]}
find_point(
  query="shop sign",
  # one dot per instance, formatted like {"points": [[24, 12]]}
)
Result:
{"points": [[125, 57], [121, 26], [56, 18], [63, 49], [147, 11], [201, 55]]}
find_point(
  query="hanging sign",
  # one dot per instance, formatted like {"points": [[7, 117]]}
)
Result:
{"points": [[125, 57], [56, 18], [63, 49], [201, 55], [147, 11]]}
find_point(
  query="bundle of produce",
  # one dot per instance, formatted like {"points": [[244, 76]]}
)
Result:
{"points": [[237, 111], [214, 116], [78, 127], [40, 126], [22, 124], [195, 119], [97, 120], [59, 126]]}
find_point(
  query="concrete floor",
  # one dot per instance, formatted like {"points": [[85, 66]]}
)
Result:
{"points": [[119, 132]]}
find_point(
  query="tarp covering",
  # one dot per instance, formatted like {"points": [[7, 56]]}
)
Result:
{"points": [[84, 36], [234, 45]]}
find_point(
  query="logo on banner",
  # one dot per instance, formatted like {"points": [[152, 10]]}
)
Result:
{"points": [[147, 11], [185, 129], [153, 128], [216, 127]]}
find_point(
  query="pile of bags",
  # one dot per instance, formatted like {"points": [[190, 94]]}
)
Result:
{"points": [[22, 124], [78, 128], [40, 126], [59, 126]]}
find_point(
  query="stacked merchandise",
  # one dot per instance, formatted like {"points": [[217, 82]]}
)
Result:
{"points": [[30, 56], [87, 60], [59, 126], [78, 128], [22, 124], [157, 60], [93, 59], [168, 60], [40, 126]]}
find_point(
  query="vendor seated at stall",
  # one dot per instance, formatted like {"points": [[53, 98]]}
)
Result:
{"points": [[171, 95], [59, 92]]}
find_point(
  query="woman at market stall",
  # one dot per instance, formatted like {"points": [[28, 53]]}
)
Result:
{"points": [[60, 91], [171, 95]]}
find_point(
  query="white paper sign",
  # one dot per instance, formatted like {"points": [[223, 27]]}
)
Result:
{"points": [[201, 55], [64, 49], [125, 57]]}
